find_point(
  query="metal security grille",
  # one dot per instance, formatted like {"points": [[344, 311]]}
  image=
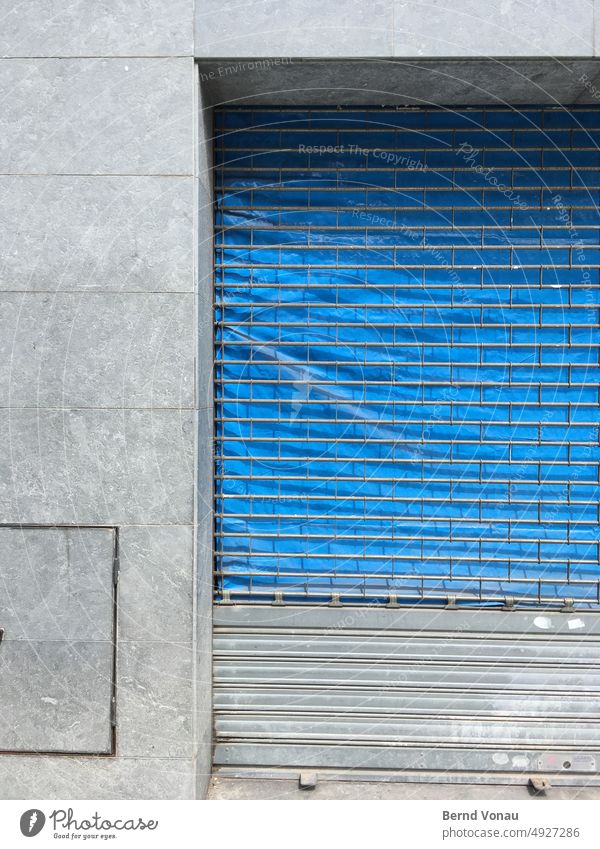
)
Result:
{"points": [[407, 361]]}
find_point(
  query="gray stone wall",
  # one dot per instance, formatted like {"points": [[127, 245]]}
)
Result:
{"points": [[106, 301], [390, 28], [98, 338]]}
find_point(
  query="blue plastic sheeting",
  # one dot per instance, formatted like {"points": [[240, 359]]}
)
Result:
{"points": [[406, 354]]}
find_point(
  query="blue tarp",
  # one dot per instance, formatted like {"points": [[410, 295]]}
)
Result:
{"points": [[406, 353]]}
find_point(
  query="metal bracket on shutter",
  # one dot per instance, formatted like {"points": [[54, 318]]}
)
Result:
{"points": [[567, 606], [539, 784], [308, 780]]}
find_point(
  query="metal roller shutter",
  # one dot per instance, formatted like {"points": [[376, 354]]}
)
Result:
{"points": [[406, 382], [450, 692]]}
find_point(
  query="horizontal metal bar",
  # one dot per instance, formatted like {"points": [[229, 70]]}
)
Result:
{"points": [[485, 383], [575, 523], [480, 246], [354, 185], [452, 366], [290, 644], [254, 165], [393, 575], [422, 441], [413, 287], [356, 598], [467, 198], [425, 247], [308, 305], [381, 421], [226, 168], [378, 479], [336, 702], [440, 761], [458, 478], [360, 711], [375, 125], [348, 497], [441, 403], [490, 621], [398, 731], [419, 153], [341, 364], [386, 227], [357, 266], [421, 136], [333, 536], [419, 148], [410, 208], [221, 401], [250, 343], [390, 458], [446, 222], [560, 177], [437, 325], [247, 166], [439, 420], [341, 130], [402, 441], [359, 556]]}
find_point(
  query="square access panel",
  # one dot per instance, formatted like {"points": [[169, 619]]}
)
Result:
{"points": [[57, 608]]}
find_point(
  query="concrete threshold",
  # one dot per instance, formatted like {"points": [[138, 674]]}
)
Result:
{"points": [[287, 788]]}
